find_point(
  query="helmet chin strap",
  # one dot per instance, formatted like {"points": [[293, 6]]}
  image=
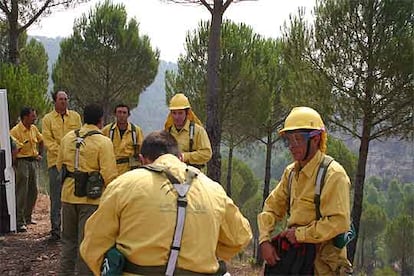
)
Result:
{"points": [[307, 149]]}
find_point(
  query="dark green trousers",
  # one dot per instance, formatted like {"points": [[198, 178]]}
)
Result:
{"points": [[26, 190], [74, 217]]}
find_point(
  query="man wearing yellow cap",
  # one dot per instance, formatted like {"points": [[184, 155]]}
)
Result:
{"points": [[187, 129], [314, 222]]}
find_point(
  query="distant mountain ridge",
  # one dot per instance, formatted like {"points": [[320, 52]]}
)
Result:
{"points": [[389, 159], [151, 109]]}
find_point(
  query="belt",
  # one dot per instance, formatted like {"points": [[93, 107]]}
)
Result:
{"points": [[69, 174], [30, 159], [198, 166], [122, 160], [160, 270]]}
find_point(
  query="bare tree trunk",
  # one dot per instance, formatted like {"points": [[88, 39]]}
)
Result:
{"points": [[268, 164], [13, 33], [229, 171], [213, 124], [359, 185], [266, 187]]}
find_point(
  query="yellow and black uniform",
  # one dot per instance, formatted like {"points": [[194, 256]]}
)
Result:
{"points": [[96, 154], [137, 213], [126, 146], [334, 207], [54, 127], [201, 152], [27, 142]]}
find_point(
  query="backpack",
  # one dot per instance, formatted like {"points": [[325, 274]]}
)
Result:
{"points": [[86, 184]]}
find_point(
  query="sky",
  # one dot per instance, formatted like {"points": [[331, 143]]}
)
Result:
{"points": [[166, 23]]}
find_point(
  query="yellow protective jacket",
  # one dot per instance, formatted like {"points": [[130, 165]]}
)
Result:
{"points": [[123, 147], [334, 207], [54, 127], [27, 140], [96, 154], [138, 213], [201, 153]]}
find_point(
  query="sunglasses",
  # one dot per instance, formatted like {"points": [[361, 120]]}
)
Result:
{"points": [[298, 138]]}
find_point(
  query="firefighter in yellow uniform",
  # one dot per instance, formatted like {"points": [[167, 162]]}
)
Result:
{"points": [[138, 214], [29, 144], [126, 138], [305, 135], [55, 125], [82, 154], [187, 129]]}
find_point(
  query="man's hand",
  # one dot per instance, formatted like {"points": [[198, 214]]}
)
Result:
{"points": [[269, 253], [290, 235]]}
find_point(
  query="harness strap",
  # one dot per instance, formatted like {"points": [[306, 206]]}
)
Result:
{"points": [[192, 127], [79, 141], [320, 181], [182, 190], [290, 178], [133, 136], [191, 135]]}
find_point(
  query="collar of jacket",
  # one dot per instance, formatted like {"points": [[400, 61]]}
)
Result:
{"points": [[56, 114], [310, 168], [115, 126]]}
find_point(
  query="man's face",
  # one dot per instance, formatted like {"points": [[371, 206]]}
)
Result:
{"points": [[179, 117], [121, 114], [31, 118], [61, 102], [297, 142]]}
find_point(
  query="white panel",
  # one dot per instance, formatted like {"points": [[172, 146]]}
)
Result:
{"points": [[9, 171]]}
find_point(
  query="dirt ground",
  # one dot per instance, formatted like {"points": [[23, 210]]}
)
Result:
{"points": [[31, 253]]}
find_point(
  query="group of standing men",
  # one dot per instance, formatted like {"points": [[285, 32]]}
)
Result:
{"points": [[134, 211]]}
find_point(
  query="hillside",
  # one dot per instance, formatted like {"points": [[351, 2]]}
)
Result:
{"points": [[152, 108], [387, 159]]}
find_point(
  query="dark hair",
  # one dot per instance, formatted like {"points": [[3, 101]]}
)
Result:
{"points": [[122, 105], [54, 94], [92, 113], [158, 143], [25, 112]]}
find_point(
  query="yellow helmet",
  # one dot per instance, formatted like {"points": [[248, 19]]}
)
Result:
{"points": [[179, 101], [303, 118], [306, 118]]}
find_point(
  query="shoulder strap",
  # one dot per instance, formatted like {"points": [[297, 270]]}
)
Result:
{"points": [[290, 179], [79, 142], [133, 134], [192, 127], [320, 181], [90, 133], [134, 139], [182, 190], [111, 131], [159, 169]]}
